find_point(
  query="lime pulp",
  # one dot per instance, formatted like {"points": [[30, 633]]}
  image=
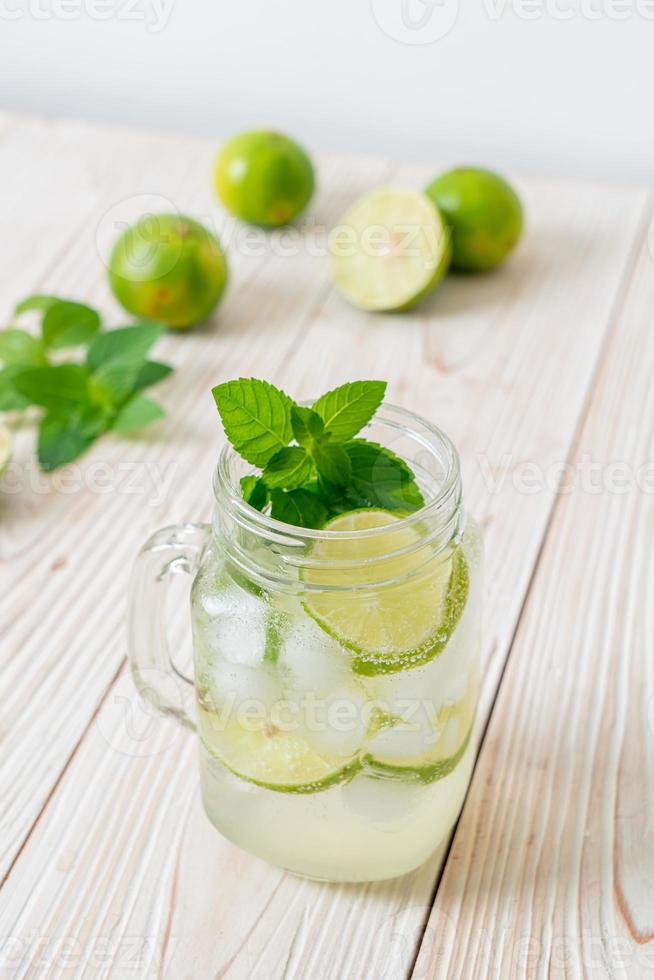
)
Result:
{"points": [[396, 626], [389, 250]]}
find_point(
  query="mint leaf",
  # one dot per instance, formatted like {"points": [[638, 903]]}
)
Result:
{"points": [[307, 425], [255, 492], [20, 347], [380, 478], [36, 302], [11, 399], [298, 507], [256, 417], [151, 373], [333, 463], [113, 382], [117, 359], [289, 468], [68, 324], [62, 438], [128, 344], [59, 387], [136, 413], [346, 409]]}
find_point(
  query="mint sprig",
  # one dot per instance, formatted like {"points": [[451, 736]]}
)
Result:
{"points": [[82, 398], [312, 466]]}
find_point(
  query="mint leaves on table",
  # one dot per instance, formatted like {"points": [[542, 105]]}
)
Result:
{"points": [[85, 397], [312, 466]]}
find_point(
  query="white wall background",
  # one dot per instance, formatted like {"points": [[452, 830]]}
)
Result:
{"points": [[538, 86]]}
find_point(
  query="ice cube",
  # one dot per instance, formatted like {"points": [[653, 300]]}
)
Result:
{"points": [[235, 626], [315, 661], [236, 684], [422, 691], [381, 800], [404, 742], [335, 723]]}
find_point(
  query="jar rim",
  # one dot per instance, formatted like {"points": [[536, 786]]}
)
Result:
{"points": [[445, 504]]}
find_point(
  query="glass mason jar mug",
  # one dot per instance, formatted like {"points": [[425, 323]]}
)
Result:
{"points": [[336, 671]]}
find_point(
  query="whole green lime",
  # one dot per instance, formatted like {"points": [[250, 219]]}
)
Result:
{"points": [[484, 214], [263, 178], [168, 267]]}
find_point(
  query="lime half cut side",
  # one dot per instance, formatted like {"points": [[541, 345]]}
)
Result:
{"points": [[394, 626], [389, 250], [273, 758], [5, 447]]}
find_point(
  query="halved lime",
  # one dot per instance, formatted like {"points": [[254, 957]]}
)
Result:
{"points": [[389, 250], [390, 627], [5, 446], [271, 757]]}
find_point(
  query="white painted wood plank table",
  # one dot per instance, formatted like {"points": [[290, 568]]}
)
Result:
{"points": [[542, 374]]}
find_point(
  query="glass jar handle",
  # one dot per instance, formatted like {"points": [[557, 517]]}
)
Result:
{"points": [[169, 551]]}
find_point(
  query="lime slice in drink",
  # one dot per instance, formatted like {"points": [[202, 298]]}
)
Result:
{"points": [[5, 447], [272, 757], [389, 250], [393, 626], [443, 745], [423, 770]]}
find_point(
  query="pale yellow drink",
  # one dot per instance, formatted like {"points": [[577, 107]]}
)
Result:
{"points": [[317, 756]]}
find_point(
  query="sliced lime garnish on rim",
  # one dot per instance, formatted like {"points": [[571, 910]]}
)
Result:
{"points": [[389, 250], [393, 627]]}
